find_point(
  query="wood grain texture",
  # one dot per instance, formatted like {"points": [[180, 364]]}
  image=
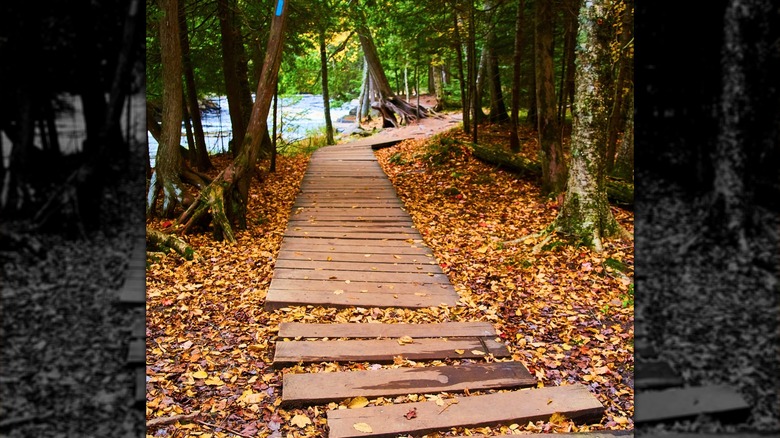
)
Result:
{"points": [[669, 404], [384, 350], [378, 330], [320, 388], [573, 401]]}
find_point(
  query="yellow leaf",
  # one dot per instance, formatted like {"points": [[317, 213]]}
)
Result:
{"points": [[406, 340], [300, 421], [338, 291], [460, 351], [358, 402], [483, 249], [478, 352], [395, 256], [200, 374], [214, 382], [363, 427]]}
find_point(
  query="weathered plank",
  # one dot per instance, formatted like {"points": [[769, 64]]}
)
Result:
{"points": [[333, 256], [601, 434], [133, 291], [353, 235], [336, 276], [139, 394], [311, 285], [572, 401], [136, 352], [669, 404], [356, 228], [362, 246], [280, 298], [327, 387], [655, 374], [361, 265], [378, 330], [384, 350]]}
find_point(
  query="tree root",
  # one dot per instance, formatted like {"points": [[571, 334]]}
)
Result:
{"points": [[159, 239], [164, 421]]}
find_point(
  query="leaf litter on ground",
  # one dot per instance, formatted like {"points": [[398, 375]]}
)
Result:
{"points": [[554, 309]]}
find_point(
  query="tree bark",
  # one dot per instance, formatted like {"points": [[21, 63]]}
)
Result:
{"points": [[168, 162], [476, 105], [566, 86], [464, 98], [200, 157], [222, 193], [230, 70], [624, 75], [624, 163], [325, 95], [554, 170], [532, 117], [585, 214], [514, 140], [498, 112], [388, 104]]}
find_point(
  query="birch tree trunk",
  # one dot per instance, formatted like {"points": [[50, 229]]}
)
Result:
{"points": [[585, 214]]}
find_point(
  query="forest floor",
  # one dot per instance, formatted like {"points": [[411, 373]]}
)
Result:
{"points": [[566, 312], [711, 312], [64, 339]]}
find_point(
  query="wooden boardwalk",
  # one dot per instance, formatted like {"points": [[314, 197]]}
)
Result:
{"points": [[349, 243]]}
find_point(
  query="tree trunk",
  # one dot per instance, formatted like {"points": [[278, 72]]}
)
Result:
{"points": [[624, 75], [481, 75], [476, 105], [464, 98], [571, 11], [232, 77], [200, 157], [532, 117], [554, 170], [325, 96], [406, 82], [388, 104], [191, 152], [497, 106], [438, 87], [362, 104], [221, 198], [514, 140], [742, 61], [585, 214], [168, 162]]}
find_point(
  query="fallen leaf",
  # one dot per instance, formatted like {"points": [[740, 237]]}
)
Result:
{"points": [[411, 414], [406, 340], [460, 351], [358, 402], [363, 427], [200, 374], [478, 352], [300, 421]]}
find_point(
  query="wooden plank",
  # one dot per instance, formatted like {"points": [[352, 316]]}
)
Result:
{"points": [[139, 394], [332, 256], [323, 218], [353, 235], [336, 276], [655, 374], [384, 350], [360, 227], [305, 286], [378, 330], [136, 352], [364, 245], [133, 291], [320, 388], [572, 401], [670, 404], [600, 434], [361, 265], [278, 298]]}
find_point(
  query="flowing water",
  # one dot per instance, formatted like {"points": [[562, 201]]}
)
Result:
{"points": [[298, 117]]}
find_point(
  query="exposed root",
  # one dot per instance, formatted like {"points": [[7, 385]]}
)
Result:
{"points": [[159, 239]]}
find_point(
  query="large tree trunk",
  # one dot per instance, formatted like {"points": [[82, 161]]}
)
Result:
{"points": [[481, 78], [168, 162], [532, 117], [200, 157], [222, 199], [566, 86], [476, 105], [230, 62], [514, 141], [585, 214], [742, 60], [438, 86], [362, 110], [389, 105], [624, 163], [551, 149], [325, 94]]}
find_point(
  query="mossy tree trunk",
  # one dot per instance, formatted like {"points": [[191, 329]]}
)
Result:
{"points": [[223, 199], [325, 93], [585, 214]]}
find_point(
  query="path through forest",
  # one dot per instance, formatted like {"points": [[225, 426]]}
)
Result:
{"points": [[350, 243]]}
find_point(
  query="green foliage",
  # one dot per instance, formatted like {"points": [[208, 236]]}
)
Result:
{"points": [[397, 158], [552, 246], [443, 149], [615, 264], [628, 297]]}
